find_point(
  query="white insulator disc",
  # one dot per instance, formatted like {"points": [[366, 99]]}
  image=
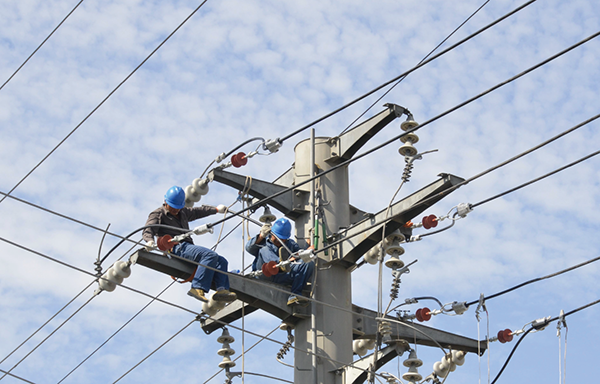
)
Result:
{"points": [[439, 369], [105, 284], [192, 194], [200, 186], [359, 349], [407, 150], [226, 352], [413, 362], [409, 124], [394, 249], [370, 343], [412, 375], [113, 276], [122, 269], [226, 363], [208, 310], [458, 357], [394, 263], [189, 203], [372, 255], [395, 237], [267, 218], [413, 138], [225, 337], [285, 326]]}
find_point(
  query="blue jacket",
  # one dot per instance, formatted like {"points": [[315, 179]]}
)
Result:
{"points": [[266, 251]]}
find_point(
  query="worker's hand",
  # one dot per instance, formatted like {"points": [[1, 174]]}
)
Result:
{"points": [[150, 245], [221, 208], [265, 229]]}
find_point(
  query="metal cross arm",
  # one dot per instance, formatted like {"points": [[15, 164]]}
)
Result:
{"points": [[354, 242]]}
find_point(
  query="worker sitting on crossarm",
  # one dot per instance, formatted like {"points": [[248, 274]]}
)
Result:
{"points": [[174, 213], [266, 247]]}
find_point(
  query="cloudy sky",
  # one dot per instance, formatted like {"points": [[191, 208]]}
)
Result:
{"points": [[243, 69]]}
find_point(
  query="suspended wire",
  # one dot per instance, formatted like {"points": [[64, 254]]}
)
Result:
{"points": [[532, 329], [40, 46], [409, 71], [420, 62], [216, 320], [536, 280], [117, 331], [103, 101], [16, 377], [152, 353], [447, 112], [537, 179], [456, 186], [51, 333], [46, 323]]}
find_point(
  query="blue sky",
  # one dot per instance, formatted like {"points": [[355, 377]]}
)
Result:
{"points": [[243, 69]]}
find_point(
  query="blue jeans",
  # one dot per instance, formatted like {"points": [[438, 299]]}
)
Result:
{"points": [[204, 277], [298, 276]]}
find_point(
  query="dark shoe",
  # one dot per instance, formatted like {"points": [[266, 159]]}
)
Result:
{"points": [[197, 293], [225, 296]]}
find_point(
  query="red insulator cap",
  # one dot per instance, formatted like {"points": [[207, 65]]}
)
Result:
{"points": [[505, 336], [164, 243], [239, 159], [270, 269], [430, 222], [423, 314]]}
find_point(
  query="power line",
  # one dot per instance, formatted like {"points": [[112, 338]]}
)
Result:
{"points": [[103, 101], [40, 46], [409, 71], [537, 179], [16, 377], [534, 328], [115, 333], [420, 62], [447, 112]]}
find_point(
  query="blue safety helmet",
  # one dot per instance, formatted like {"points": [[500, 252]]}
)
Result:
{"points": [[282, 229], [175, 197]]}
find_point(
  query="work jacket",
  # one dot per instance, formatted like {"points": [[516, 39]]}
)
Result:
{"points": [[162, 216]]}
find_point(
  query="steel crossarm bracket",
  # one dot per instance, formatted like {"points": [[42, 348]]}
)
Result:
{"points": [[258, 294], [291, 203], [346, 145], [364, 235], [365, 326], [357, 373]]}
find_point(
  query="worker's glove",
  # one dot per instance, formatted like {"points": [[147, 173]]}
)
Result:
{"points": [[221, 208], [150, 245], [265, 229]]}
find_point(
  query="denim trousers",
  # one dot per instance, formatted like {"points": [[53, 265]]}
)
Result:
{"points": [[297, 276], [204, 277]]}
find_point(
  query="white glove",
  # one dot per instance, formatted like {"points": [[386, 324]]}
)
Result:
{"points": [[150, 245], [265, 229], [221, 208]]}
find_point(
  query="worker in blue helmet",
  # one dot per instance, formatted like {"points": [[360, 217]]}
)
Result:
{"points": [[268, 245], [175, 214]]}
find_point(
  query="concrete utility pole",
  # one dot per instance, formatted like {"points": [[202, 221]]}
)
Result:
{"points": [[355, 232]]}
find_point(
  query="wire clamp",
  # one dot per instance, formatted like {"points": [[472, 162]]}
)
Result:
{"points": [[272, 145], [561, 322], [202, 229], [463, 209], [480, 306]]}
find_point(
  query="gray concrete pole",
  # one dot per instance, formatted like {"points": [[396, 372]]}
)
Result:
{"points": [[334, 327]]}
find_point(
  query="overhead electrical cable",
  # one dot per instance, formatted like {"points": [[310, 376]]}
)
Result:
{"points": [[536, 280], [49, 335], [204, 315], [409, 71], [420, 62], [46, 323], [16, 377], [153, 352], [456, 186], [40, 46], [536, 179], [533, 329], [447, 112], [103, 101], [116, 332]]}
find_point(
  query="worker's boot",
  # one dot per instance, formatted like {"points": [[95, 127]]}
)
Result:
{"points": [[224, 295], [295, 300], [198, 293]]}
